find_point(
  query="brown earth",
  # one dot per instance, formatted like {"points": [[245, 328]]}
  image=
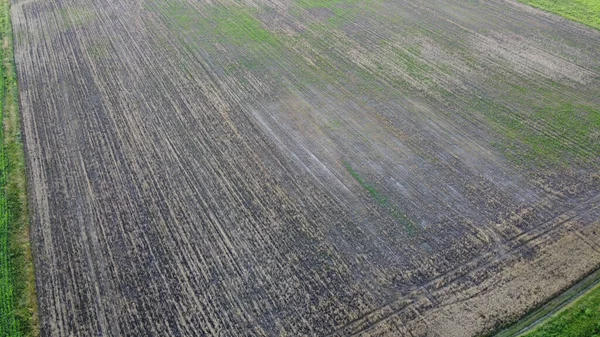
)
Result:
{"points": [[304, 167]]}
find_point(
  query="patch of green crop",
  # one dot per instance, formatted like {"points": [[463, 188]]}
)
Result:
{"points": [[555, 135], [18, 307], [584, 11], [574, 122], [343, 11], [543, 128], [334, 5], [378, 197], [180, 13], [334, 125], [99, 49], [233, 37], [233, 25], [382, 201], [72, 17], [240, 27], [415, 67], [581, 319]]}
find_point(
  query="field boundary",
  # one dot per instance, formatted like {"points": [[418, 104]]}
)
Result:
{"points": [[582, 12], [553, 306], [226, 168], [18, 302], [395, 307]]}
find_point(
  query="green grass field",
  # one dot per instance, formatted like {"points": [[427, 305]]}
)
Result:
{"points": [[581, 319], [584, 11], [8, 323], [18, 308]]}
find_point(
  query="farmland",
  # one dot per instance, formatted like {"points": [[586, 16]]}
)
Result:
{"points": [[18, 316], [305, 167]]}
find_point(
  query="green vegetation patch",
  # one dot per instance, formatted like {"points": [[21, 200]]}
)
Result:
{"points": [[342, 11], [179, 13], [543, 128], [234, 25], [18, 306], [383, 201], [581, 319], [415, 66], [584, 11], [553, 136], [72, 17], [240, 27]]}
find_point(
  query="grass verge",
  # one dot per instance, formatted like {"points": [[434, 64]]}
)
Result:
{"points": [[584, 11], [538, 317], [581, 319], [18, 304]]}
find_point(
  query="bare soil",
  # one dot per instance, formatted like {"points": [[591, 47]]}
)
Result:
{"points": [[378, 168]]}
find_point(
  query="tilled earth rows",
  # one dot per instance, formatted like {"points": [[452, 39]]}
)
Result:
{"points": [[305, 167]]}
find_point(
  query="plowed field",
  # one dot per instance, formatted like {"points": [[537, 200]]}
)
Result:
{"points": [[305, 167]]}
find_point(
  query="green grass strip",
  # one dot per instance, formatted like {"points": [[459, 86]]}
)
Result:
{"points": [[18, 303], [8, 323], [584, 11], [581, 319]]}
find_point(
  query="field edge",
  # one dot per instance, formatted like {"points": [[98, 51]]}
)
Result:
{"points": [[586, 12], [15, 217], [544, 312]]}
